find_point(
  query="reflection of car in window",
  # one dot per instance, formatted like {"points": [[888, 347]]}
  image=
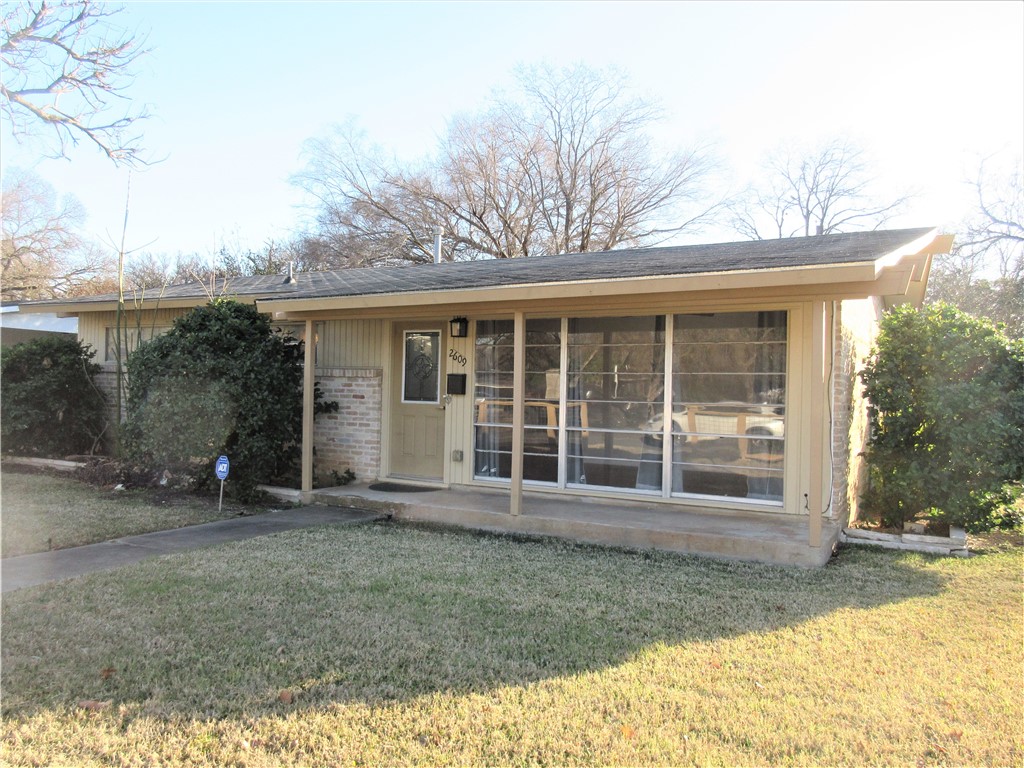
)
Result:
{"points": [[756, 426]]}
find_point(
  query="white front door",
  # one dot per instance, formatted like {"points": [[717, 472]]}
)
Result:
{"points": [[417, 402]]}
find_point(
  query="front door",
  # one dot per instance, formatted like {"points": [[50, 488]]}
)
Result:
{"points": [[417, 403]]}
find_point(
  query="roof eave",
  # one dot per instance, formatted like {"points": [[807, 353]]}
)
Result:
{"points": [[855, 279], [73, 309]]}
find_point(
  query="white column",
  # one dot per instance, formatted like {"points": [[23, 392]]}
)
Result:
{"points": [[308, 379]]}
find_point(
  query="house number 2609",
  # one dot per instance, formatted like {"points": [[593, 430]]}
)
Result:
{"points": [[457, 357]]}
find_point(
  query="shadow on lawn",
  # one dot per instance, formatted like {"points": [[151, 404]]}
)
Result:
{"points": [[386, 613]]}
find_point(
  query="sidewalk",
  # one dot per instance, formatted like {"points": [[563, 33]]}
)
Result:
{"points": [[29, 570]]}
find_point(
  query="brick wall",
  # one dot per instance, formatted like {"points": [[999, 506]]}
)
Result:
{"points": [[349, 438], [855, 329]]}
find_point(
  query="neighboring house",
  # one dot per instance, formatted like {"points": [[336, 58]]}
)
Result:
{"points": [[16, 327], [711, 379]]}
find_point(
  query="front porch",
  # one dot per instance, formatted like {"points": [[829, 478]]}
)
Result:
{"points": [[775, 538]]}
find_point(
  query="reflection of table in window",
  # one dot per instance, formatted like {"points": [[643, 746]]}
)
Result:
{"points": [[548, 409]]}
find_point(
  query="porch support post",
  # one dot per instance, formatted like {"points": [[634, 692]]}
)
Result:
{"points": [[308, 379], [518, 412], [820, 453]]}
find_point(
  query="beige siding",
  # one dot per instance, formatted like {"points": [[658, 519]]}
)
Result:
{"points": [[460, 411], [92, 326], [352, 344], [91, 330]]}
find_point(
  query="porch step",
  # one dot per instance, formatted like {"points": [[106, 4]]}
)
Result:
{"points": [[761, 537], [332, 498]]}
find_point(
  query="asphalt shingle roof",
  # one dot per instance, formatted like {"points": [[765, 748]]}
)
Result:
{"points": [[852, 248]]}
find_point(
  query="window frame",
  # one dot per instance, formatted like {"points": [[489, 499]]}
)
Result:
{"points": [[665, 324], [438, 363]]}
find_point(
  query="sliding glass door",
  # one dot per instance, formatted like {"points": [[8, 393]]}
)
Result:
{"points": [[729, 404], [492, 412], [615, 402], [603, 394]]}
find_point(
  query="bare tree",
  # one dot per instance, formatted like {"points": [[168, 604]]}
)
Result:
{"points": [[42, 253], [568, 166], [271, 259], [818, 192], [65, 66], [984, 273], [995, 234]]}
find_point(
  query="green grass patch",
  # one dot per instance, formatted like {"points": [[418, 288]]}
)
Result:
{"points": [[398, 645], [43, 512]]}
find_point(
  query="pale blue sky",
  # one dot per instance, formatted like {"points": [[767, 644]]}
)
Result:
{"points": [[236, 88]]}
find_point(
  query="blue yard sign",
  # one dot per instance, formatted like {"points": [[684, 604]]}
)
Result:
{"points": [[223, 465]]}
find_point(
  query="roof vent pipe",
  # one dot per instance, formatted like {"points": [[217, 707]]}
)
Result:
{"points": [[438, 231], [290, 280]]}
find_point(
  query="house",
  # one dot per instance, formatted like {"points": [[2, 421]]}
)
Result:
{"points": [[16, 327], [706, 388]]}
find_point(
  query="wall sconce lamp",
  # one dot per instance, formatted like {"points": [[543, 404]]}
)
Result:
{"points": [[459, 327]]}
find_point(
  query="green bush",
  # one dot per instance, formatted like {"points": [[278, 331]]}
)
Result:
{"points": [[946, 394], [219, 382], [50, 405]]}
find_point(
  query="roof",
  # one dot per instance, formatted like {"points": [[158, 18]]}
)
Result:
{"points": [[865, 248]]}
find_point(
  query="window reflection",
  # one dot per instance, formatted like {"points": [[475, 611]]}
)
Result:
{"points": [[616, 382], [492, 417], [728, 403], [729, 394]]}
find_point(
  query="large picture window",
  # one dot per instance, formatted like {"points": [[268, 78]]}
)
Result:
{"points": [[729, 404], [615, 405], [597, 413]]}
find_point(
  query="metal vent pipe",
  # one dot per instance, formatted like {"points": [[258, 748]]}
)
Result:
{"points": [[438, 232]]}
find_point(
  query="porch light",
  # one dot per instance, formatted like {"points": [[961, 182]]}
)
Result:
{"points": [[459, 327]]}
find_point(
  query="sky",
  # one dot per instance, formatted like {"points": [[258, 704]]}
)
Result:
{"points": [[927, 89]]}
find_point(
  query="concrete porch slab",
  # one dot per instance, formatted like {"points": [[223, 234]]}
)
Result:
{"points": [[767, 537]]}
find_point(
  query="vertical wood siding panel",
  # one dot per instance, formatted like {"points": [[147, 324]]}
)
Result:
{"points": [[460, 411], [352, 344]]}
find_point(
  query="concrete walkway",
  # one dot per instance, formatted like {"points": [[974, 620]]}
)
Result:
{"points": [[29, 570]]}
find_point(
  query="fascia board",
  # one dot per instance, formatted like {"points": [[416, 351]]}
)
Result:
{"points": [[74, 309], [568, 290], [927, 245], [892, 282]]}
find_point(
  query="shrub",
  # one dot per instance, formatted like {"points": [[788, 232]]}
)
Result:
{"points": [[946, 393], [50, 405], [219, 382]]}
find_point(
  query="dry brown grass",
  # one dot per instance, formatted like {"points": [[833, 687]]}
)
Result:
{"points": [[43, 511], [391, 645]]}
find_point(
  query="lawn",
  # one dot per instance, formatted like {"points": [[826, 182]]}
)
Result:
{"points": [[389, 644], [42, 512]]}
